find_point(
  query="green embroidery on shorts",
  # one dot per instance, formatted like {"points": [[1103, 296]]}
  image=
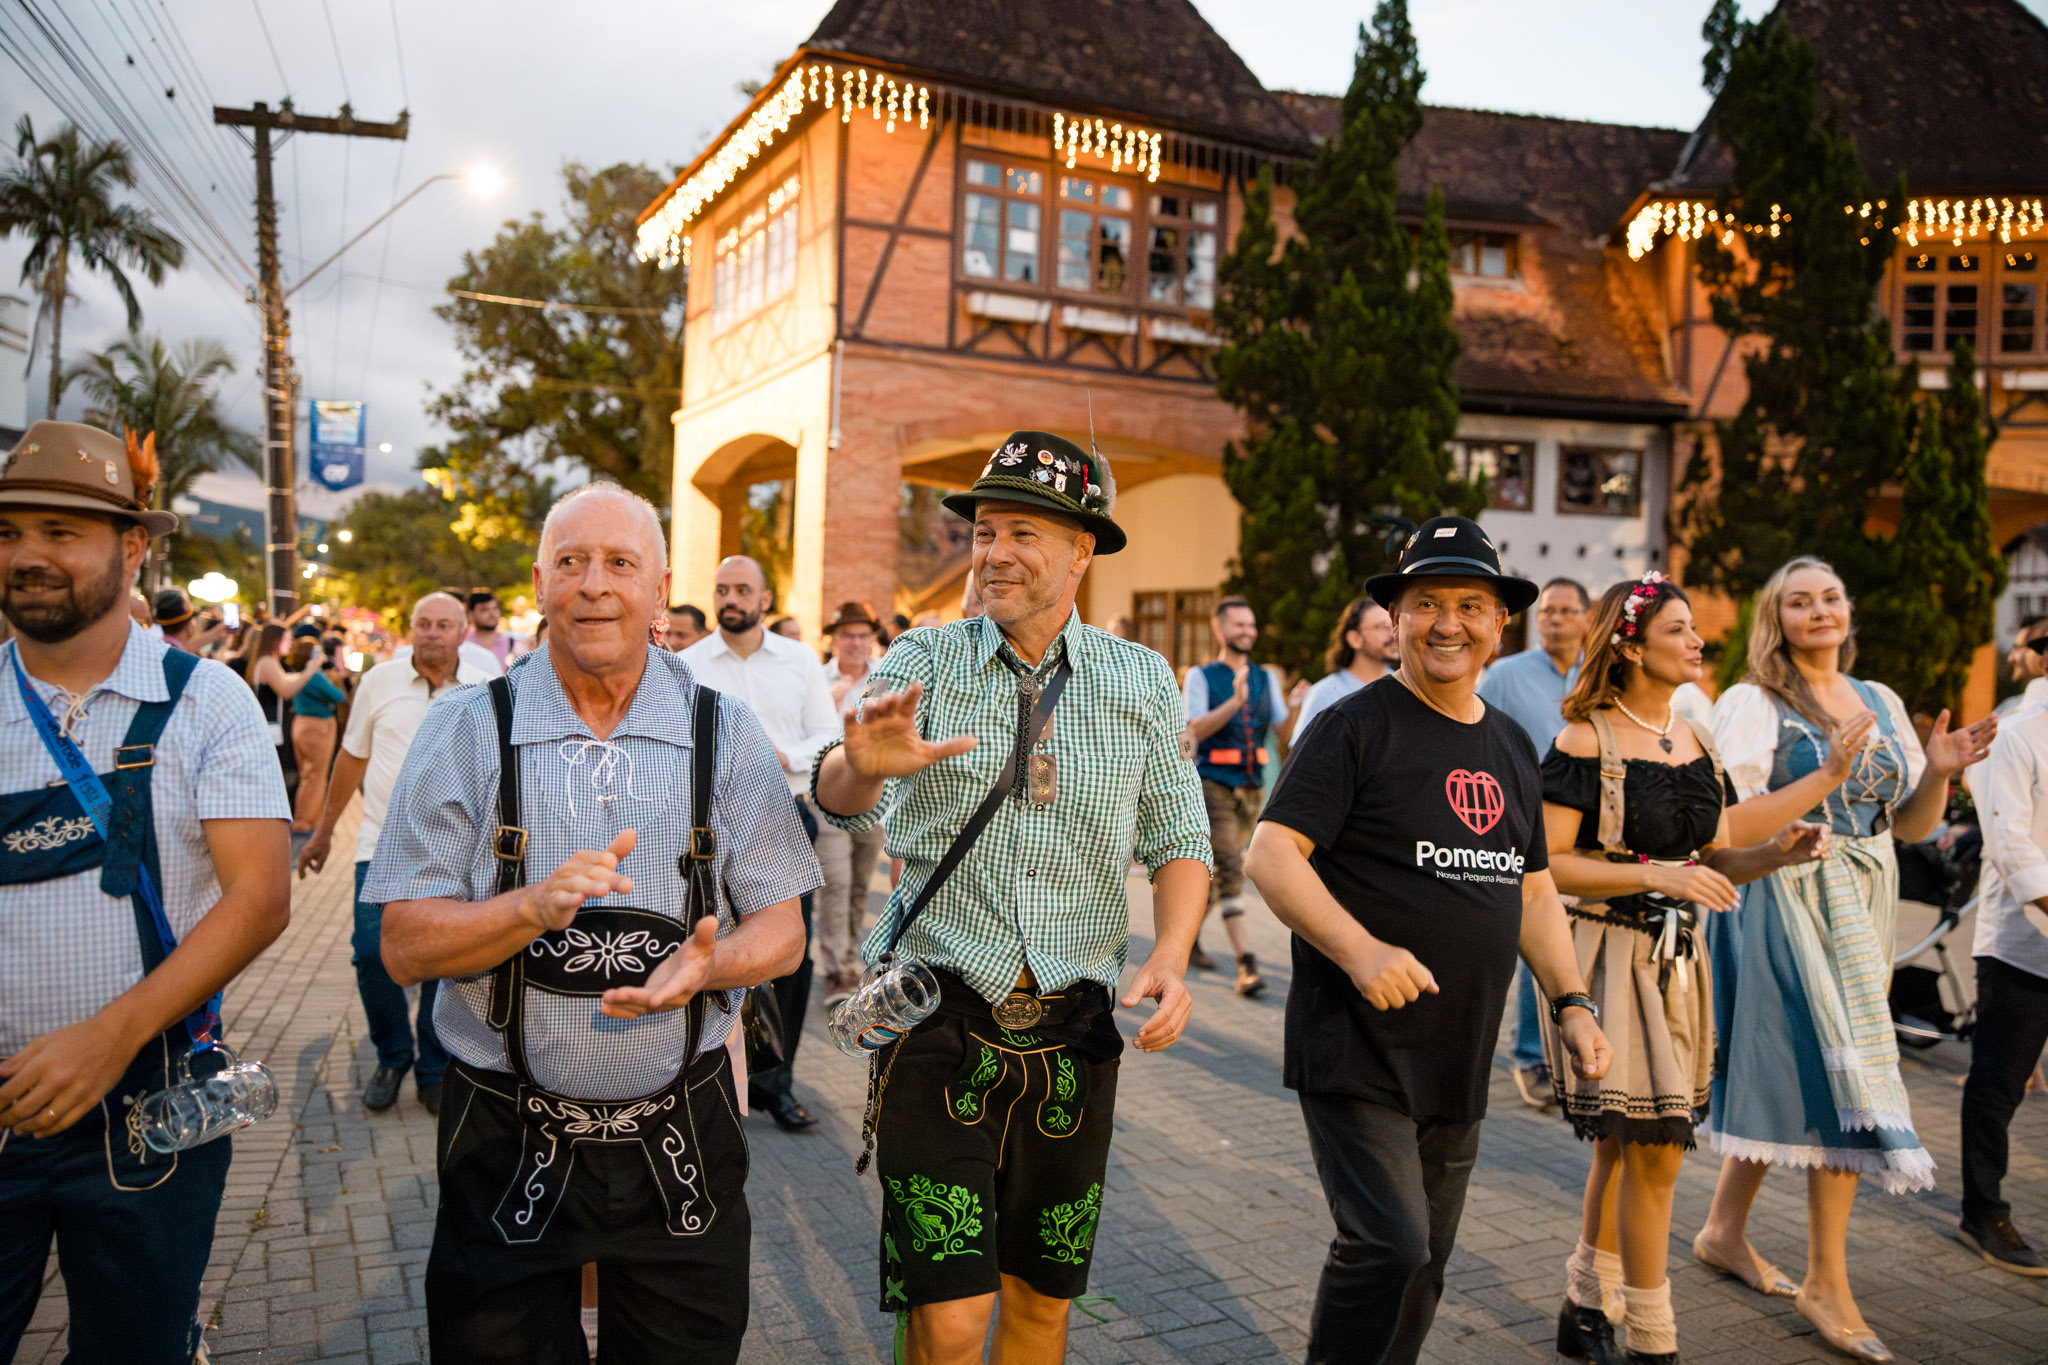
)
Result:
{"points": [[1022, 1041], [940, 1217], [1063, 1081], [1068, 1230], [987, 1072], [1057, 1120], [892, 1273]]}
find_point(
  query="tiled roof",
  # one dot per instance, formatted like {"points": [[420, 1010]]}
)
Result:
{"points": [[1569, 339], [1155, 58], [1954, 93]]}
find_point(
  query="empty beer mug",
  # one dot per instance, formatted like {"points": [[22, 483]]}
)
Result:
{"points": [[895, 996], [199, 1109]]}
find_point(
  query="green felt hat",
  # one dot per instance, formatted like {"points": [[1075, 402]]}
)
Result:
{"points": [[1043, 470]]}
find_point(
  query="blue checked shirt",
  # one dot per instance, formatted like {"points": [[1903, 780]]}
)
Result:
{"points": [[67, 949], [1043, 886], [574, 795]]}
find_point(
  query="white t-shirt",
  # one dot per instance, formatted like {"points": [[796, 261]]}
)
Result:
{"points": [[785, 688], [390, 702]]}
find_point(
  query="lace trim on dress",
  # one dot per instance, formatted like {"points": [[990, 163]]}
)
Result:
{"points": [[1898, 1172]]}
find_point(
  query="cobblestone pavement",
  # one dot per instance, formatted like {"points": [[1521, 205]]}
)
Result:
{"points": [[1212, 1234]]}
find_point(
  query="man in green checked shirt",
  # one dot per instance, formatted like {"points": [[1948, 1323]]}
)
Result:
{"points": [[992, 1119]]}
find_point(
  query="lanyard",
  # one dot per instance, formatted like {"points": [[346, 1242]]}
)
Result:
{"points": [[203, 1023]]}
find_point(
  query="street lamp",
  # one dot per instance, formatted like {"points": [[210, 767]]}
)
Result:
{"points": [[483, 181], [214, 587]]}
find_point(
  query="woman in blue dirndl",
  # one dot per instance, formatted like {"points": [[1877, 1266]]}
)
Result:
{"points": [[1806, 1069]]}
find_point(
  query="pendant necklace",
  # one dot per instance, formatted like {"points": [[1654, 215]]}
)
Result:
{"points": [[1663, 733]]}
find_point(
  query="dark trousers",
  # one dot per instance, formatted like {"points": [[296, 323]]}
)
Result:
{"points": [[384, 999], [661, 1299], [792, 998], [1396, 1187], [131, 1258], [2012, 1028]]}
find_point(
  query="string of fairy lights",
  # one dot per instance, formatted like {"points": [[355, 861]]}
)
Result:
{"points": [[664, 237], [1933, 220]]}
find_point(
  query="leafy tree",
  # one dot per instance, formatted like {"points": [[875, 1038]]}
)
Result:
{"points": [[61, 195], [1828, 414], [1921, 624], [402, 546], [595, 388], [1339, 349]]}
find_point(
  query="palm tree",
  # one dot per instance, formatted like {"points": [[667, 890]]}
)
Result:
{"points": [[140, 385], [60, 195]]}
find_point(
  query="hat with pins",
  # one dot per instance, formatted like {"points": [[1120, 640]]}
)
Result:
{"points": [[71, 467], [1039, 469], [1451, 547]]}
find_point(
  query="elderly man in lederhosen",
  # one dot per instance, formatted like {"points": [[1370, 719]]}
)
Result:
{"points": [[1026, 760], [596, 856], [143, 864]]}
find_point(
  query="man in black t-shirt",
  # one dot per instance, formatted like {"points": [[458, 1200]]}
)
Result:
{"points": [[1404, 846]]}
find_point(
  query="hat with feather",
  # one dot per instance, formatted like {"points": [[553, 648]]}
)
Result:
{"points": [[72, 467], [1042, 470]]}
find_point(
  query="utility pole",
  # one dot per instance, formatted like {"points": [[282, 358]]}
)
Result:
{"points": [[280, 464]]}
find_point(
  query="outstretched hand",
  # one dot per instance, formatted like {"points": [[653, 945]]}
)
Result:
{"points": [[1951, 751], [882, 740], [680, 976]]}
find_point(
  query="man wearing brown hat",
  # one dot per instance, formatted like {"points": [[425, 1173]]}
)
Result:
{"points": [[847, 857], [142, 852], [1023, 761]]}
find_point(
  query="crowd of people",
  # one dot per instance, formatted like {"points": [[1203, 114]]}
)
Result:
{"points": [[611, 848]]}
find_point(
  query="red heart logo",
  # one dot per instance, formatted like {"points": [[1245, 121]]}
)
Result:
{"points": [[1476, 798]]}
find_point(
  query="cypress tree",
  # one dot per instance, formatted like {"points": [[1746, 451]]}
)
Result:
{"points": [[1919, 630], [1339, 349]]}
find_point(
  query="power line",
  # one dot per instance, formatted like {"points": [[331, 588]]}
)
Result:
{"points": [[219, 168], [398, 44], [546, 303], [383, 260], [267, 42], [335, 38]]}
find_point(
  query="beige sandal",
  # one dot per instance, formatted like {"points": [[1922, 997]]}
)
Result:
{"points": [[1761, 1275]]}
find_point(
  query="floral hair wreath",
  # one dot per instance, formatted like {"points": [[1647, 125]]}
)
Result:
{"points": [[1647, 591]]}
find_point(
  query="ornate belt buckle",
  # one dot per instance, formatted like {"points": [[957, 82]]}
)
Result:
{"points": [[1019, 1011]]}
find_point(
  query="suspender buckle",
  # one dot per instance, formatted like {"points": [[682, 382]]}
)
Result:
{"points": [[510, 844], [124, 756], [703, 844]]}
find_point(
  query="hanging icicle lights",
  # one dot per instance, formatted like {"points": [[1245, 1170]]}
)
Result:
{"points": [[1128, 150], [664, 238], [1933, 220]]}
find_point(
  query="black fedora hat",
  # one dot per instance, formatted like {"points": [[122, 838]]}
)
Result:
{"points": [[1043, 470], [1451, 547]]}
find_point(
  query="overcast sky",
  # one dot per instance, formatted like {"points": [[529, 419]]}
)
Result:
{"points": [[523, 86]]}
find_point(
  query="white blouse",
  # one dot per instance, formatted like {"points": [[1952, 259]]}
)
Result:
{"points": [[1746, 723]]}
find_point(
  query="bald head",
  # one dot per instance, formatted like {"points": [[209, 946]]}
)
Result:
{"points": [[606, 501], [739, 595], [439, 622]]}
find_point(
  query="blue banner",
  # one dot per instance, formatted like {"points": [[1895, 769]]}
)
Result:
{"points": [[335, 429]]}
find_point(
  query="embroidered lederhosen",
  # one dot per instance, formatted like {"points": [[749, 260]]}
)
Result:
{"points": [[45, 834], [661, 1121]]}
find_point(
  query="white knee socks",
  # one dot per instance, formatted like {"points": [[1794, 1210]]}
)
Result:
{"points": [[1651, 1328], [1592, 1279]]}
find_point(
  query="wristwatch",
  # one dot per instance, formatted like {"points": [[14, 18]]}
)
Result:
{"points": [[1564, 1002]]}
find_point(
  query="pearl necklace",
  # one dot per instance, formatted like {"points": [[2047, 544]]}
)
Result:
{"points": [[1662, 733]]}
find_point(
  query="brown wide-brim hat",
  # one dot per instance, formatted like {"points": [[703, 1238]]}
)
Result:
{"points": [[76, 468], [854, 614], [1040, 469]]}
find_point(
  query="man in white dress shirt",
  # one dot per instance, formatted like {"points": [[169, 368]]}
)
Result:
{"points": [[2011, 949], [782, 681], [848, 859]]}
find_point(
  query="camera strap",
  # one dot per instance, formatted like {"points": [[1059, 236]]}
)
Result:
{"points": [[131, 842], [1028, 736]]}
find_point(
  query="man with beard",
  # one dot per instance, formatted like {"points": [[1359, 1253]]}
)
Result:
{"points": [[781, 680], [485, 616], [1022, 760], [385, 714], [144, 866], [1361, 651]]}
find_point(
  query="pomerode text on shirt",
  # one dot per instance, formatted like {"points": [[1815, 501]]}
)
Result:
{"points": [[1486, 859]]}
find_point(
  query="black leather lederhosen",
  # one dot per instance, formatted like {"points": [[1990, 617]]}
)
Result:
{"points": [[45, 834], [661, 1121]]}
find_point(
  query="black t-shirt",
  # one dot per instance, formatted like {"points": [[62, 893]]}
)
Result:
{"points": [[1424, 828]]}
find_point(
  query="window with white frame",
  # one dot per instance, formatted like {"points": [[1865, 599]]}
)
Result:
{"points": [[1180, 265], [1001, 215], [756, 261]]}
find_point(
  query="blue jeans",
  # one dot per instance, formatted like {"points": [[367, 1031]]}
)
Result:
{"points": [[131, 1258], [384, 999], [1528, 1021]]}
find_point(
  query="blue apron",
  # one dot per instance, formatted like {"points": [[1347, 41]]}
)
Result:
{"points": [[48, 834]]}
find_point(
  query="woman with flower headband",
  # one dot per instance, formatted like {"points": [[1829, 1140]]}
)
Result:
{"points": [[1806, 1072], [1635, 809]]}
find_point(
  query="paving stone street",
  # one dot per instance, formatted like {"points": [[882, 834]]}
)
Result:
{"points": [[1211, 1237]]}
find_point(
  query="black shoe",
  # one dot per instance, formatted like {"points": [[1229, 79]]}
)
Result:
{"points": [[789, 1116], [2000, 1244], [1636, 1357], [430, 1096], [1198, 958], [382, 1091], [1586, 1334]]}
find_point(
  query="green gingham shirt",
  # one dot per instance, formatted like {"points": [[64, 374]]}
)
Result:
{"points": [[1043, 886]]}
